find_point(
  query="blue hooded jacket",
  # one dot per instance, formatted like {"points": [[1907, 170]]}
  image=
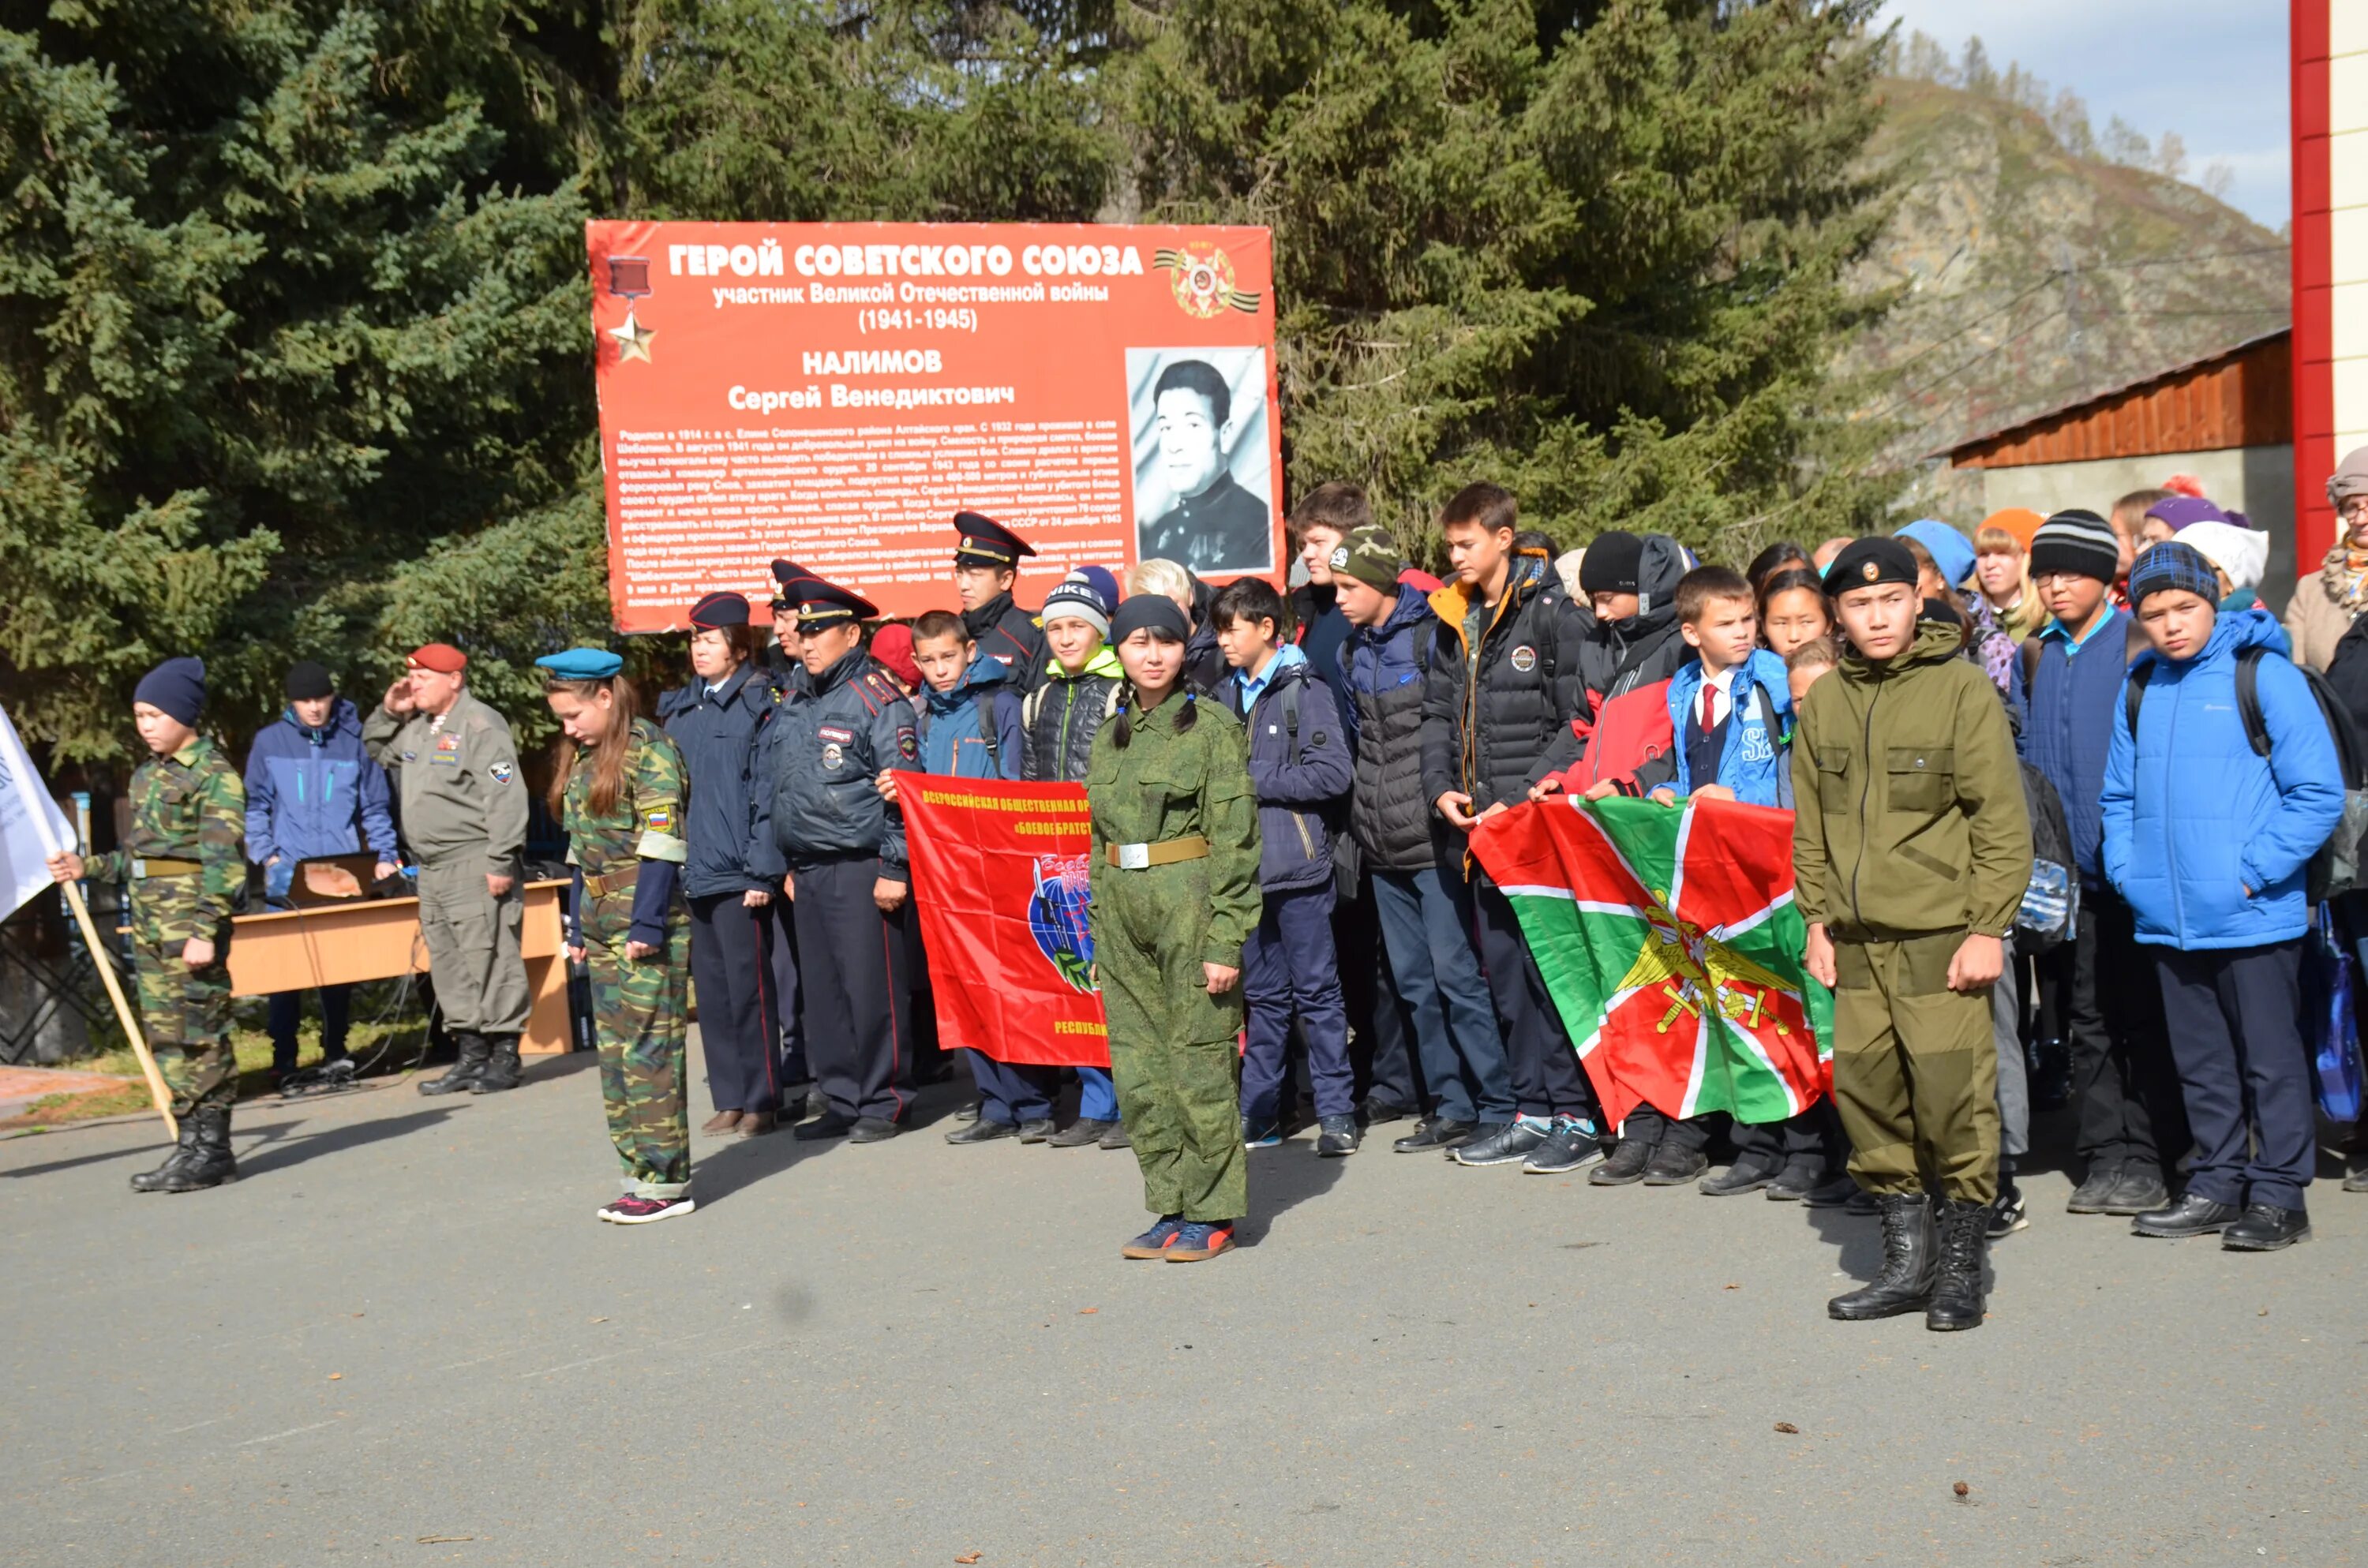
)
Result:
{"points": [[951, 724], [315, 793], [1299, 779], [2193, 818], [1758, 730]]}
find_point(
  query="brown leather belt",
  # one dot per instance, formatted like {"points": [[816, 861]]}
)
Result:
{"points": [[1143, 856], [157, 866], [615, 881]]}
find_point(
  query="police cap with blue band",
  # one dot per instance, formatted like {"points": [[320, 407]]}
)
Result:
{"points": [[582, 663], [986, 543], [827, 604]]}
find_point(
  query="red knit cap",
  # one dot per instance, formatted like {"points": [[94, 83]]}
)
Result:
{"points": [[441, 657]]}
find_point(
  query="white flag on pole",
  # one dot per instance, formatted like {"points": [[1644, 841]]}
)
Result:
{"points": [[32, 827]]}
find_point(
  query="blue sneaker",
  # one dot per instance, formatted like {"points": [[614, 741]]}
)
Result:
{"points": [[1154, 1242], [1198, 1241], [1260, 1134]]}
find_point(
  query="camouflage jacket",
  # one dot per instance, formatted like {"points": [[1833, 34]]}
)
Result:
{"points": [[641, 834], [190, 807]]}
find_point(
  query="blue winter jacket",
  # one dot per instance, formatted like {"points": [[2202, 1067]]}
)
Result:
{"points": [[1751, 760], [951, 726], [718, 737], [2193, 818], [313, 792], [2068, 726], [1296, 783]]}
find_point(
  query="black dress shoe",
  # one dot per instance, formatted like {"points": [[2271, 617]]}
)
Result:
{"points": [[2357, 1181], [829, 1124], [2091, 1196], [1433, 1136], [2192, 1215], [2266, 1228], [1078, 1133], [1910, 1262], [1673, 1166], [982, 1132], [1839, 1190], [872, 1130], [968, 1112], [2140, 1191], [1793, 1183], [1378, 1112], [1039, 1131], [1508, 1144], [1625, 1163], [1743, 1175]]}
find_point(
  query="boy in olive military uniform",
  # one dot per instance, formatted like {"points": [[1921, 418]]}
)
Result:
{"points": [[1911, 850], [182, 864], [462, 812]]}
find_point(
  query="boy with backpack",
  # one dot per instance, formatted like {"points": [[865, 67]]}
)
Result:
{"points": [[1730, 714], [2126, 1091], [1081, 690], [1300, 765], [1911, 853], [2224, 782]]}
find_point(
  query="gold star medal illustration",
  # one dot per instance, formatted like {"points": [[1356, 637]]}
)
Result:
{"points": [[628, 279]]}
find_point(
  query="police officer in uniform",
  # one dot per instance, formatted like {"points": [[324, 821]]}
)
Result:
{"points": [[838, 849], [183, 863], [782, 667], [463, 812], [986, 562]]}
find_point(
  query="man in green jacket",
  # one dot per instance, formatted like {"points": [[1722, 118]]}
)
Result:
{"points": [[1911, 851]]}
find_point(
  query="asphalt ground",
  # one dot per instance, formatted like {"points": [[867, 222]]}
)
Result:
{"points": [[402, 1337]]}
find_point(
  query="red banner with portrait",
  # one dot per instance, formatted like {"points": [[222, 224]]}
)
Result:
{"points": [[835, 392], [1000, 878]]}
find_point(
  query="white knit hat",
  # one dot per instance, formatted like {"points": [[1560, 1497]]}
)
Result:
{"points": [[2243, 553]]}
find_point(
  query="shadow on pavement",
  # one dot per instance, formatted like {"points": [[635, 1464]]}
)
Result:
{"points": [[1284, 1177], [273, 1148]]}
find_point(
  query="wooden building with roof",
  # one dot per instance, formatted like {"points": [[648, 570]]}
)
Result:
{"points": [[2226, 419]]}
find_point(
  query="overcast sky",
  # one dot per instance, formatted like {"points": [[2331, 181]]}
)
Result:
{"points": [[2214, 71]]}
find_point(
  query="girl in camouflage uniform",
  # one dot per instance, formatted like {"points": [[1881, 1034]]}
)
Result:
{"points": [[618, 794], [1176, 891]]}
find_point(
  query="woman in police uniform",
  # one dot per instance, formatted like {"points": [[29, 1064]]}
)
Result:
{"points": [[1174, 883], [618, 794]]}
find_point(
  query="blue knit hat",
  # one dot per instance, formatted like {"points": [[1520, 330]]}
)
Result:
{"points": [[176, 687], [1952, 551], [2173, 565]]}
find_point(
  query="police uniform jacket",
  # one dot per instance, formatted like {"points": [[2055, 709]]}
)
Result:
{"points": [[822, 751], [1014, 636], [458, 785], [717, 734]]}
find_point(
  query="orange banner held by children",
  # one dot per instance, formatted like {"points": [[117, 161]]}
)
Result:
{"points": [[1000, 878], [835, 392]]}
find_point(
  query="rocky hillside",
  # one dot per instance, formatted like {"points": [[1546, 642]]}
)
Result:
{"points": [[2029, 277]]}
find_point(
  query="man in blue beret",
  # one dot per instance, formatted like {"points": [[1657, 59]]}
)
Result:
{"points": [[839, 850]]}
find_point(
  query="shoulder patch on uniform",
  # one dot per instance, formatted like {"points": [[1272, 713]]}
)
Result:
{"points": [[659, 818], [908, 744], [500, 773]]}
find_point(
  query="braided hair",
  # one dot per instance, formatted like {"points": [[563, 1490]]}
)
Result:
{"points": [[1123, 727]]}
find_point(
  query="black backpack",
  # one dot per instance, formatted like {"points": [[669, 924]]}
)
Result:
{"points": [[2336, 868]]}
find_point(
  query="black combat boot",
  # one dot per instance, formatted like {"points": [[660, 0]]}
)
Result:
{"points": [[1906, 1282], [501, 1069], [209, 1163], [154, 1181], [467, 1066], [1957, 1303]]}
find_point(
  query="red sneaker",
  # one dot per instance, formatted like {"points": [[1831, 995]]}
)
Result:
{"points": [[634, 1211]]}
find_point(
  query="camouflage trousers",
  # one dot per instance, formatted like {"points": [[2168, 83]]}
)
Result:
{"points": [[640, 1011], [185, 1014]]}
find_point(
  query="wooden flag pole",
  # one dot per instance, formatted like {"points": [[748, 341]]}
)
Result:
{"points": [[124, 1013]]}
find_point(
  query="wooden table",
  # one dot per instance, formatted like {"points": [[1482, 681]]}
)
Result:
{"points": [[336, 944]]}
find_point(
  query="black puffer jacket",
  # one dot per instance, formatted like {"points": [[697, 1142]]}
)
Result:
{"points": [[1494, 726], [1621, 655], [1382, 669], [1061, 718]]}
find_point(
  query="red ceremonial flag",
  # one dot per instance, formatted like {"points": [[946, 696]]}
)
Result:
{"points": [[999, 879]]}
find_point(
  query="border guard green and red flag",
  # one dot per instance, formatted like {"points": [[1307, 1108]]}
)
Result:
{"points": [[1669, 939]]}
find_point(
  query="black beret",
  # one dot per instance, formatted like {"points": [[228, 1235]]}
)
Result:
{"points": [[1868, 562]]}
